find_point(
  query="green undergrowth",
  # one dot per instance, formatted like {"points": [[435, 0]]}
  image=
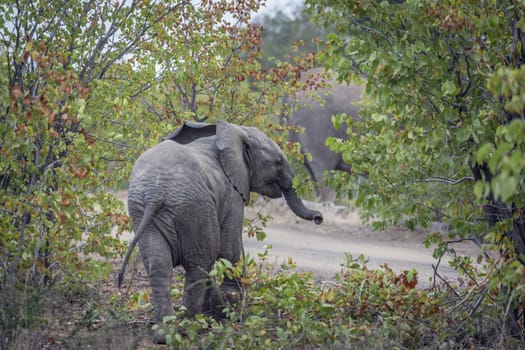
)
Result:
{"points": [[360, 309], [281, 308]]}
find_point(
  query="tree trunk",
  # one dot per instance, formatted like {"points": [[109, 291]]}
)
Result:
{"points": [[496, 212]]}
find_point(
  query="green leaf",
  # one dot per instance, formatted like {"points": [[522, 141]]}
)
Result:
{"points": [[508, 188], [479, 189], [449, 88], [226, 263], [289, 292], [483, 152], [463, 134], [327, 307], [411, 274], [260, 235]]}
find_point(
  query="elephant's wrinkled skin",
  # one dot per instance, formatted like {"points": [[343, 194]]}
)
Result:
{"points": [[316, 120], [186, 198]]}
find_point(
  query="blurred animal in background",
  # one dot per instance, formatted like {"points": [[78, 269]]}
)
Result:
{"points": [[313, 116]]}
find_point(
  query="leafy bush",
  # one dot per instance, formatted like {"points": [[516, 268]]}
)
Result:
{"points": [[442, 132], [361, 308], [85, 87]]}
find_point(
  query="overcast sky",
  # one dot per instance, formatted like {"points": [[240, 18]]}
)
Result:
{"points": [[274, 5]]}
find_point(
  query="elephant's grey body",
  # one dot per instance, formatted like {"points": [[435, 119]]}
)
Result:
{"points": [[316, 120], [186, 198]]}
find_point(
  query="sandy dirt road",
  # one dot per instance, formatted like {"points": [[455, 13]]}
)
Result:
{"points": [[322, 248]]}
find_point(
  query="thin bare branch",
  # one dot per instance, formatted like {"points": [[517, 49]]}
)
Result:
{"points": [[478, 301], [446, 180]]}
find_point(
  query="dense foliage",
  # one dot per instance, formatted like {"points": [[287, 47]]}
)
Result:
{"points": [[443, 135], [359, 309], [287, 34], [85, 87]]}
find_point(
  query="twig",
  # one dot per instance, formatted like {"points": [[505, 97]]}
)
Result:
{"points": [[335, 285], [478, 302], [446, 180], [114, 142], [435, 267], [478, 244], [461, 302], [373, 30]]}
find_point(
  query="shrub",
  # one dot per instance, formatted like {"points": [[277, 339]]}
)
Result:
{"points": [[360, 308]]}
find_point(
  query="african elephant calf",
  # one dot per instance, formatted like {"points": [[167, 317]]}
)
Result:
{"points": [[186, 198]]}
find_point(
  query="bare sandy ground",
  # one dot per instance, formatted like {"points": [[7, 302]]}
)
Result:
{"points": [[321, 248]]}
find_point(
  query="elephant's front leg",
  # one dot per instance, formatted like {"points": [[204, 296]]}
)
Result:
{"points": [[230, 291], [195, 289]]}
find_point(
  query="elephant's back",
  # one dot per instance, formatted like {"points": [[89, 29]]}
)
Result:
{"points": [[169, 160], [172, 172]]}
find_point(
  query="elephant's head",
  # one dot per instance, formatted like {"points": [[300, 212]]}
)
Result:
{"points": [[254, 163], [251, 161]]}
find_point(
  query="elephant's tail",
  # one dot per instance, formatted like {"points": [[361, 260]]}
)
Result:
{"points": [[149, 211]]}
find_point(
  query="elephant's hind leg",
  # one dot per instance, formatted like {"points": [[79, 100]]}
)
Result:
{"points": [[158, 262]]}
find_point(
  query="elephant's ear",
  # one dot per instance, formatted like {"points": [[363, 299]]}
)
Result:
{"points": [[190, 131], [232, 143]]}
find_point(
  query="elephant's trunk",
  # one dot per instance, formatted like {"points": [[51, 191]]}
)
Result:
{"points": [[298, 208]]}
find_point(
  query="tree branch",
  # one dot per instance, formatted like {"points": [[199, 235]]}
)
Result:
{"points": [[446, 180]]}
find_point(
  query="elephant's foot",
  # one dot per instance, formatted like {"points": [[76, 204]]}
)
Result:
{"points": [[159, 331], [158, 337], [230, 295]]}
